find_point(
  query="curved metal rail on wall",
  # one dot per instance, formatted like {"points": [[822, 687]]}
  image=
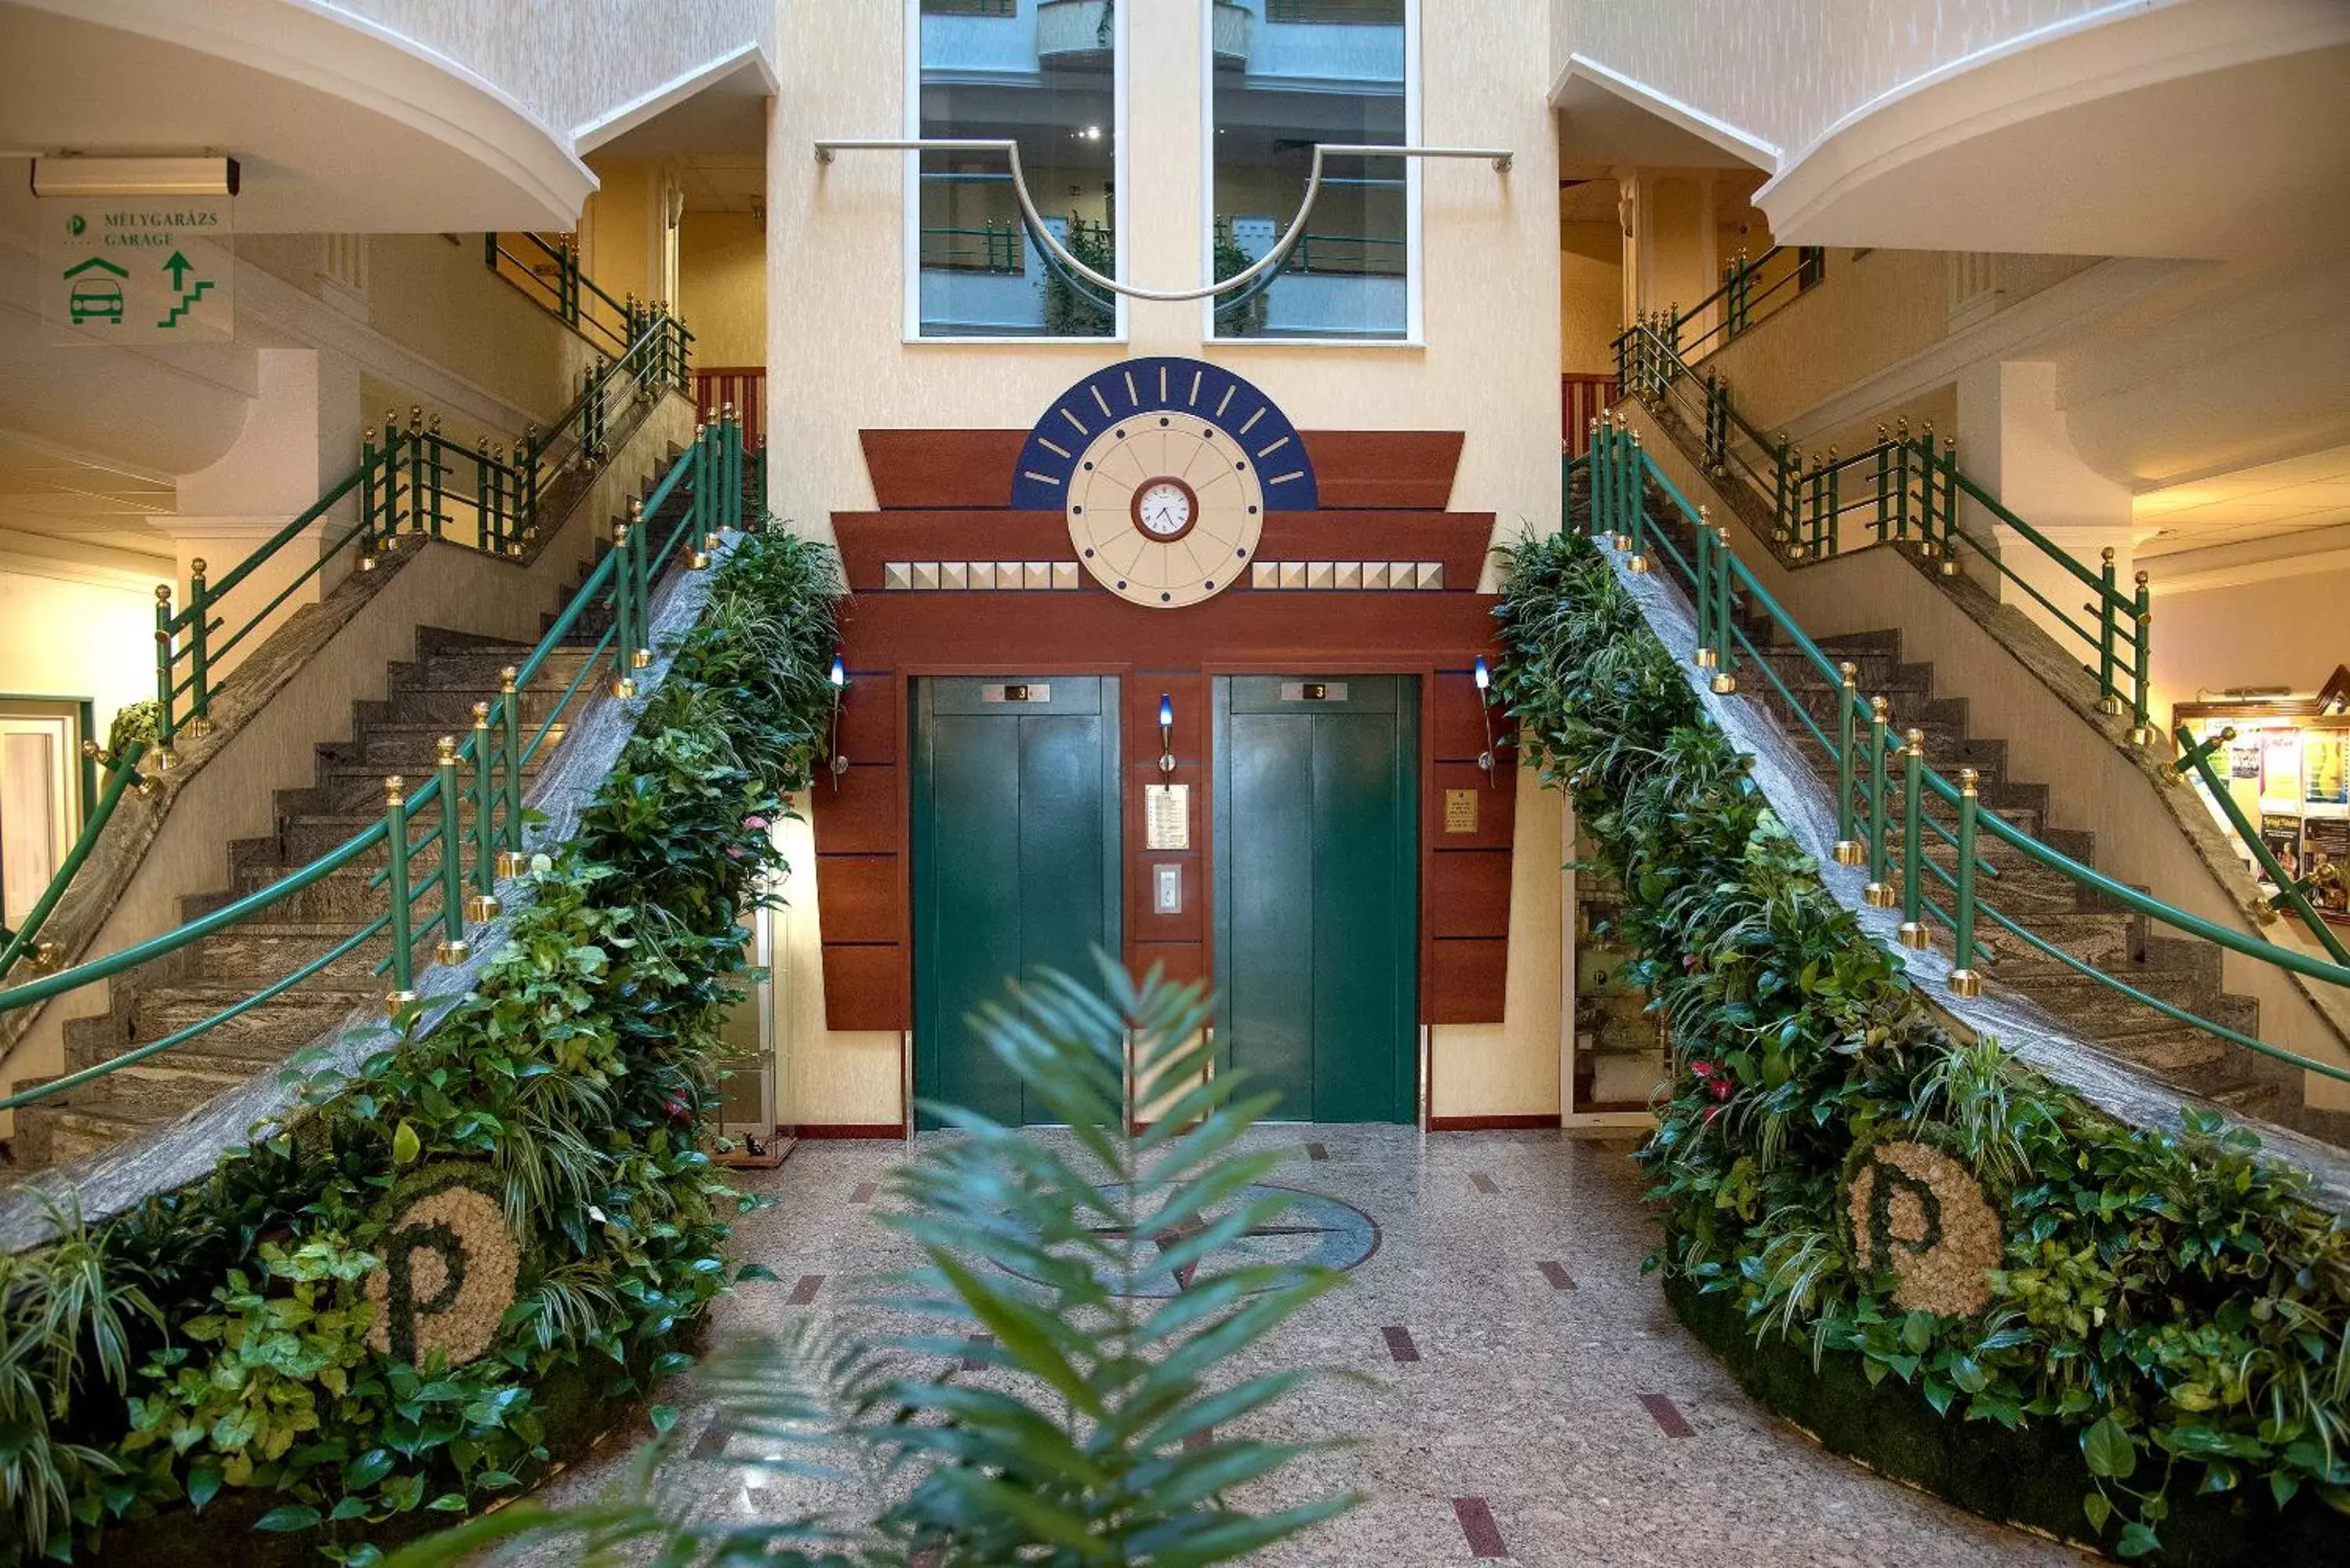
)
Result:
{"points": [[1070, 266], [484, 769], [1880, 821]]}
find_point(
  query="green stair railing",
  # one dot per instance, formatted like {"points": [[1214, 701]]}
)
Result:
{"points": [[482, 771], [25, 941], [410, 483], [1902, 490], [1887, 832]]}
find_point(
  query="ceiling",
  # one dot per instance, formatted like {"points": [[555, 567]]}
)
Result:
{"points": [[2274, 498], [56, 495], [723, 182], [1598, 126]]}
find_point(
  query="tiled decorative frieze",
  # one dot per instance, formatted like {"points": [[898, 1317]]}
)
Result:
{"points": [[1347, 575], [948, 575]]}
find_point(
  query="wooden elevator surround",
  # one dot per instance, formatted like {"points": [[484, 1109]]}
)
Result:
{"points": [[941, 497]]}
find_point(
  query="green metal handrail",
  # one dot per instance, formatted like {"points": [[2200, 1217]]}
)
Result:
{"points": [[570, 294], [406, 485], [1618, 473], [712, 470], [1738, 296], [27, 939], [1906, 491]]}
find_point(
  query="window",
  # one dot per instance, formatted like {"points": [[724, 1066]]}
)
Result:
{"points": [[1315, 71], [1052, 86]]}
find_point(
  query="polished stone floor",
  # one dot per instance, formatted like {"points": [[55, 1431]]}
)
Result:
{"points": [[1524, 1394]]}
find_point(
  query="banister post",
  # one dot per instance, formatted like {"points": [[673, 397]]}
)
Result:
{"points": [[636, 564], [1930, 484], [2142, 733], [1965, 980], [436, 447], [1635, 515], [1835, 510], [510, 859], [1950, 506], [484, 904], [485, 507], [2109, 700], [1913, 932], [417, 490], [1725, 669], [1702, 598], [527, 482], [395, 842], [368, 525], [452, 948], [1884, 473], [200, 662], [1901, 478], [624, 636], [1849, 850], [1878, 894], [166, 663]]}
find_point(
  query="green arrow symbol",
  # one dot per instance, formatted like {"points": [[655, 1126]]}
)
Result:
{"points": [[178, 267]]}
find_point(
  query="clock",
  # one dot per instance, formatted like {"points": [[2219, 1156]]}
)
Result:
{"points": [[1164, 470], [1165, 509]]}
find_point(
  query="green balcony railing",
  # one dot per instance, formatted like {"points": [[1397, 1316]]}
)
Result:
{"points": [[25, 941], [1750, 292], [1891, 828], [447, 843], [1905, 491], [411, 484]]}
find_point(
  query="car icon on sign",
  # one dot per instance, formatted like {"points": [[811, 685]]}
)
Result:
{"points": [[95, 298]]}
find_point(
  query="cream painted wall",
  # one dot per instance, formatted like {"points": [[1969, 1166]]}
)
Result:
{"points": [[619, 234], [2286, 631], [723, 287], [1590, 296], [1491, 255], [76, 638]]}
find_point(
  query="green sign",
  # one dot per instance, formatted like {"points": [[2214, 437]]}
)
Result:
{"points": [[138, 269]]}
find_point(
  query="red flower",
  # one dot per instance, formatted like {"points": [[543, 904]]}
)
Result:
{"points": [[1721, 1087], [1701, 1069], [1711, 1112], [677, 1108], [759, 823]]}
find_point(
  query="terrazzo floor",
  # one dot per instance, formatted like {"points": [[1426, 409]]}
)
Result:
{"points": [[1525, 1396]]}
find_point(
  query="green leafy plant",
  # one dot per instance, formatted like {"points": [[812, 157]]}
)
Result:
{"points": [[1091, 1433], [1072, 309], [224, 1374], [2170, 1300]]}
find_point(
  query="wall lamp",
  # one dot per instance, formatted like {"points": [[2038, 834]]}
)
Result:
{"points": [[839, 678], [71, 175], [1166, 733], [1483, 675]]}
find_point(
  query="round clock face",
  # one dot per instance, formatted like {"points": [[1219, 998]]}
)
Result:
{"points": [[1165, 509]]}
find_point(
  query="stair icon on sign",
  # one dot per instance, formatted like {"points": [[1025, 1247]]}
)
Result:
{"points": [[187, 303]]}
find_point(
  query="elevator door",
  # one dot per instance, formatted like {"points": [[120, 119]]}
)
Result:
{"points": [[1317, 849], [1015, 862]]}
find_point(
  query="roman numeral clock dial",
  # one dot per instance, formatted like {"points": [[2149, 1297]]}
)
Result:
{"points": [[1164, 470]]}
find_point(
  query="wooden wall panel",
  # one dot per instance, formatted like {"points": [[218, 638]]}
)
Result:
{"points": [[1468, 977], [1184, 962], [870, 540], [1497, 807], [1383, 469], [871, 729], [863, 815], [943, 468], [859, 895], [1468, 894], [865, 986], [1459, 732]]}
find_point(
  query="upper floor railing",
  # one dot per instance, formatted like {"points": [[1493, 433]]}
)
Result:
{"points": [[1750, 292], [1886, 827], [549, 272], [446, 845], [411, 484], [1905, 491]]}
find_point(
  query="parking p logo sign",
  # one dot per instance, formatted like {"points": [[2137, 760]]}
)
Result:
{"points": [[138, 269]]}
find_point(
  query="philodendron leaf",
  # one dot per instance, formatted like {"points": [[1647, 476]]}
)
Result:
{"points": [[2108, 1450], [405, 1145]]}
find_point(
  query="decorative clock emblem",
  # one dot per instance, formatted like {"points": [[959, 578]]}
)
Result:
{"points": [[1164, 470], [1165, 510]]}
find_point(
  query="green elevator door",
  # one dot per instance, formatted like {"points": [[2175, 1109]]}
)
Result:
{"points": [[1015, 862], [1316, 814]]}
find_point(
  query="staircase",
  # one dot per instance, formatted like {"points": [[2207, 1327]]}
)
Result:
{"points": [[430, 697], [2181, 970]]}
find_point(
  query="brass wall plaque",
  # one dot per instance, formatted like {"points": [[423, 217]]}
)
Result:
{"points": [[1461, 810], [1167, 816]]}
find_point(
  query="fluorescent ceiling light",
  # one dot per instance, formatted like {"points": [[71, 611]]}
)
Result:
{"points": [[73, 176]]}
